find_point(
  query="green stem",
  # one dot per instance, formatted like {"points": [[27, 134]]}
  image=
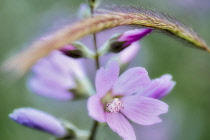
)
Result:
{"points": [[95, 123], [95, 41], [93, 130], [96, 53]]}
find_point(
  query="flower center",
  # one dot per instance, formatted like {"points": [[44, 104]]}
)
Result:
{"points": [[114, 105]]}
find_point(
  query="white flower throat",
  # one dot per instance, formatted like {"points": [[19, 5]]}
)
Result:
{"points": [[114, 105]]}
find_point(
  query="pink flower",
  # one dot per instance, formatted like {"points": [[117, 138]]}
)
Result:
{"points": [[123, 98]]}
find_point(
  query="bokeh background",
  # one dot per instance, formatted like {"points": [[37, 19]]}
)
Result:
{"points": [[23, 21]]}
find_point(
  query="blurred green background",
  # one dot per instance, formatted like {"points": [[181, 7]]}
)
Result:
{"points": [[23, 21]]}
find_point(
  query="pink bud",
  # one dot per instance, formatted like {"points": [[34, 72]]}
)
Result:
{"points": [[133, 35], [71, 51]]}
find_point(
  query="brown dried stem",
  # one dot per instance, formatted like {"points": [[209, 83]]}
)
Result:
{"points": [[24, 60]]}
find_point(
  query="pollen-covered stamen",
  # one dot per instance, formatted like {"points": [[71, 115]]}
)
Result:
{"points": [[115, 105]]}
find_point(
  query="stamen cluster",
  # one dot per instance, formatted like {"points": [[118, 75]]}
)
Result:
{"points": [[115, 105]]}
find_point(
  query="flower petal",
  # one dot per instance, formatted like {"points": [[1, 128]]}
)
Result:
{"points": [[159, 87], [49, 89], [131, 81], [65, 64], [119, 124], [96, 108], [143, 110], [105, 78], [51, 62], [55, 68], [128, 53]]}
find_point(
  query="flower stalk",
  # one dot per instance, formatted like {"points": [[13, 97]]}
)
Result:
{"points": [[93, 130], [95, 123]]}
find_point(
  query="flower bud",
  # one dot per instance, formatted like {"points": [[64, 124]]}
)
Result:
{"points": [[71, 51], [94, 3], [76, 50], [39, 120], [124, 40]]}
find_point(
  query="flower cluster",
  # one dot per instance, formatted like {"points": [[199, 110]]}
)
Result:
{"points": [[116, 100]]}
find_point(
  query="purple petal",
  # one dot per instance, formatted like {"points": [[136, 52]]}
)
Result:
{"points": [[131, 81], [133, 35], [129, 53], [47, 71], [105, 78], [39, 120], [55, 68], [58, 65], [159, 87], [66, 83], [143, 110], [66, 48], [119, 124], [49, 89], [96, 108], [56, 62]]}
